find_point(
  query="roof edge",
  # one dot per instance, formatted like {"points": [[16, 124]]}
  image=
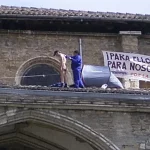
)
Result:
{"points": [[45, 13]]}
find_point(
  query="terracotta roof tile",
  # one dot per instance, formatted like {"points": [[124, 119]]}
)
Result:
{"points": [[12, 10]]}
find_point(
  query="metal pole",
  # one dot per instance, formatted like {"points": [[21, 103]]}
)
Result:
{"points": [[80, 48]]}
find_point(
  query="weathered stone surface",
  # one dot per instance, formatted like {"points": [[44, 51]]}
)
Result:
{"points": [[129, 44], [124, 122], [144, 45], [17, 48]]}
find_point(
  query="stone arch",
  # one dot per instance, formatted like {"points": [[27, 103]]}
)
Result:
{"points": [[50, 61], [28, 140], [97, 141]]}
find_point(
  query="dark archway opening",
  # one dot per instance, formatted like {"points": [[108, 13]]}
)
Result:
{"points": [[15, 146], [40, 74]]}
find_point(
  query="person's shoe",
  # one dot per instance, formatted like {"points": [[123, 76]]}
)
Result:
{"points": [[61, 84], [65, 86]]}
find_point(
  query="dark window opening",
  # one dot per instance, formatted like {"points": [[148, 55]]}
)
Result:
{"points": [[41, 74], [144, 84]]}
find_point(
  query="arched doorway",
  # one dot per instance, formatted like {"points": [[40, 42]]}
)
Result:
{"points": [[39, 130], [40, 70]]}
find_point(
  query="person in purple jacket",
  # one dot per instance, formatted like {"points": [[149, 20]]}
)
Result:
{"points": [[76, 66]]}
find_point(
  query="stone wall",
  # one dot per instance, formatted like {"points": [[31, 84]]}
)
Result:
{"points": [[124, 122], [17, 47], [144, 48], [144, 45], [129, 131]]}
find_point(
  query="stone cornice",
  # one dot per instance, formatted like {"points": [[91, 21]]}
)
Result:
{"points": [[31, 98], [30, 32]]}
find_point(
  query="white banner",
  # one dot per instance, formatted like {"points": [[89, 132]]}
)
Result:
{"points": [[128, 65]]}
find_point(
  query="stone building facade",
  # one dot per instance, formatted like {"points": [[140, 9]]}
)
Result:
{"points": [[33, 118], [18, 48], [30, 35], [38, 118]]}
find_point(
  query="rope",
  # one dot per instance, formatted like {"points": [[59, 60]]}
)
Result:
{"points": [[31, 76]]}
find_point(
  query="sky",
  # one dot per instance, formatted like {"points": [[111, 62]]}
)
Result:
{"points": [[123, 6]]}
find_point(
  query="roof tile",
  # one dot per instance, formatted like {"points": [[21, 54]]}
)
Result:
{"points": [[13, 10]]}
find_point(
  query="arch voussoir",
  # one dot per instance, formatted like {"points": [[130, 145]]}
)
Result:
{"points": [[96, 140]]}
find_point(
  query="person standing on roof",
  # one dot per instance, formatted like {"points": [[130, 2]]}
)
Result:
{"points": [[76, 66], [63, 68]]}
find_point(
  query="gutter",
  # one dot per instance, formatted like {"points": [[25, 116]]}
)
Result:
{"points": [[71, 18]]}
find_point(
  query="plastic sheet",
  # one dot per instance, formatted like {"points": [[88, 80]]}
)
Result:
{"points": [[96, 76]]}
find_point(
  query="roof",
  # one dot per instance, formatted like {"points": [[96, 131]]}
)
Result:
{"points": [[95, 90], [60, 13], [81, 99]]}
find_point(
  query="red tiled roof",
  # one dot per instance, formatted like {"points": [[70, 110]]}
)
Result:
{"points": [[26, 11]]}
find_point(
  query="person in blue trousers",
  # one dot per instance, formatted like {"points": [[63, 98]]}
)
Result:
{"points": [[76, 66]]}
